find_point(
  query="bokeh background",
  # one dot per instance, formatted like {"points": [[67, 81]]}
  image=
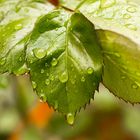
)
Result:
{"points": [[24, 117]]}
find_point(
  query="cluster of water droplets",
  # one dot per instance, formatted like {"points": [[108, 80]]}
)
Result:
{"points": [[62, 77], [129, 11]]}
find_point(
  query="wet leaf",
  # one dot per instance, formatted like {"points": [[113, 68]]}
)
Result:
{"points": [[64, 60]]}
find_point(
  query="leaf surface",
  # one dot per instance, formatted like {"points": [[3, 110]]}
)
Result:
{"points": [[65, 60], [121, 72]]}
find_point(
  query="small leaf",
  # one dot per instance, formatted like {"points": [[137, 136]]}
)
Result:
{"points": [[71, 54]]}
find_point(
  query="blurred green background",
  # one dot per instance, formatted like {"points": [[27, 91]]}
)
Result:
{"points": [[24, 117]]}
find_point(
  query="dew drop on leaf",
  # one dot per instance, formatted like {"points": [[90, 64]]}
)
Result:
{"points": [[63, 77], [47, 82], [131, 9], [134, 86], [126, 16], [131, 26], [70, 118], [90, 70], [107, 3], [54, 62], [39, 53], [34, 84]]}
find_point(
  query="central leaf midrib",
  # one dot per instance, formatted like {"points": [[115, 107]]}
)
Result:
{"points": [[66, 59]]}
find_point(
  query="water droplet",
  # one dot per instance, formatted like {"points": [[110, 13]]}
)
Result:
{"points": [[54, 62], [90, 70], [131, 9], [131, 26], [42, 70], [70, 118], [126, 16], [34, 84], [39, 53], [134, 86], [63, 77], [18, 27], [107, 3], [51, 77], [43, 98], [83, 79], [3, 61], [47, 82]]}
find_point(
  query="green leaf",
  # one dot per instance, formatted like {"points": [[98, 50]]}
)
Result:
{"points": [[121, 74], [16, 24], [120, 39], [65, 61]]}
